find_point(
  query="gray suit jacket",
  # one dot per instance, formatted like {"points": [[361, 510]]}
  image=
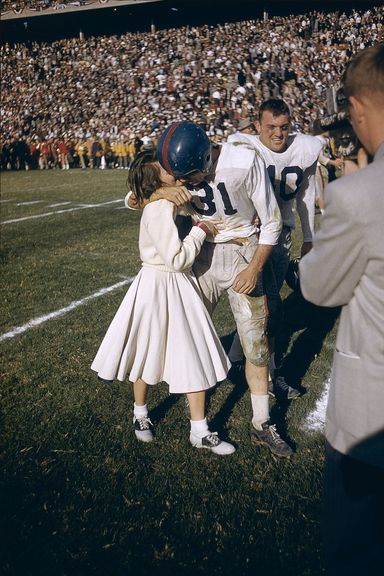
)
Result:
{"points": [[346, 267]]}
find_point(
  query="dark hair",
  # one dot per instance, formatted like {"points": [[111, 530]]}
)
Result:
{"points": [[144, 175], [274, 105]]}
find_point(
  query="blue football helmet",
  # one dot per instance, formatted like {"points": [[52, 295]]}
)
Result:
{"points": [[184, 148]]}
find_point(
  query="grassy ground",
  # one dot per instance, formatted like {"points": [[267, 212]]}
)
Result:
{"points": [[78, 495]]}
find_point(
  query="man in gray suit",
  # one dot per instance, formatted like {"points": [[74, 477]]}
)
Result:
{"points": [[346, 268]]}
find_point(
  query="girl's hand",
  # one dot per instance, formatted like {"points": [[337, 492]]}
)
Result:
{"points": [[214, 225], [212, 228]]}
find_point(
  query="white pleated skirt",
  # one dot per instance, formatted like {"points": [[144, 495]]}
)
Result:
{"points": [[163, 332]]}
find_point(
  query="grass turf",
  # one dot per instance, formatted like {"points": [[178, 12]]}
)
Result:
{"points": [[79, 495]]}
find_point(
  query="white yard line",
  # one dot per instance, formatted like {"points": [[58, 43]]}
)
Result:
{"points": [[81, 207], [315, 421], [59, 204], [29, 203], [40, 320]]}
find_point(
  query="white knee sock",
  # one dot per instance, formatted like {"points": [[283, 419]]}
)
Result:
{"points": [[260, 409], [140, 411], [199, 428]]}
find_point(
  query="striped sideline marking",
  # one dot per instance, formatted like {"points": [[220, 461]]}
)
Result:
{"points": [[315, 421], [81, 207], [37, 321]]}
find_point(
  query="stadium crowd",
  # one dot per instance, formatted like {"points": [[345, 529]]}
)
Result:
{"points": [[20, 6], [95, 102]]}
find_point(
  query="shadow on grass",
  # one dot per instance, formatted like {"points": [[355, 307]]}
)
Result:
{"points": [[220, 419], [159, 412], [315, 323]]}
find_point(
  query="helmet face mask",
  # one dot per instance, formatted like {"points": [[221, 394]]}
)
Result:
{"points": [[184, 150]]}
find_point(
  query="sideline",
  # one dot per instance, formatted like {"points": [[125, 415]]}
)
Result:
{"points": [[315, 420], [82, 207], [37, 321]]}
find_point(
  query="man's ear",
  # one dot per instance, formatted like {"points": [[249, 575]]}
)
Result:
{"points": [[357, 107], [257, 126]]}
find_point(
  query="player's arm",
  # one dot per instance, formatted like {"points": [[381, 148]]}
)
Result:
{"points": [[178, 195], [259, 188]]}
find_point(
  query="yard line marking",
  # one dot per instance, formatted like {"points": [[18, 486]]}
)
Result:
{"points": [[29, 203], [316, 419], [59, 204], [82, 207], [37, 321]]}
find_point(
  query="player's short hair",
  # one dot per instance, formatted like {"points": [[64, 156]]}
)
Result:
{"points": [[365, 74], [274, 105], [144, 175]]}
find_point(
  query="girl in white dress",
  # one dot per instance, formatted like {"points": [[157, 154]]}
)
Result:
{"points": [[162, 331]]}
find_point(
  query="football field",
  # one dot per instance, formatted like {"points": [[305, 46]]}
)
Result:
{"points": [[79, 496]]}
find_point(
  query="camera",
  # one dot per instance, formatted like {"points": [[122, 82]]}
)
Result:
{"points": [[343, 141]]}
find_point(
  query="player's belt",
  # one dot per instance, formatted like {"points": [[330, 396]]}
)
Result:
{"points": [[239, 241]]}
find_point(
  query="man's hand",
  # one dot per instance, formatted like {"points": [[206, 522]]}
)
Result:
{"points": [[178, 195], [305, 248], [245, 282], [362, 162]]}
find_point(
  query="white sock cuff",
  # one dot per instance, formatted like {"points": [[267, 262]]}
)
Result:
{"points": [[140, 411], [260, 409], [199, 426]]}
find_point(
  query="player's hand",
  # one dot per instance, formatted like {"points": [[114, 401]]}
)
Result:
{"points": [[178, 195], [245, 282], [134, 203], [305, 248], [339, 163]]}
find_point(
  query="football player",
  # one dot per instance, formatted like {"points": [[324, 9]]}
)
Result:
{"points": [[291, 161]]}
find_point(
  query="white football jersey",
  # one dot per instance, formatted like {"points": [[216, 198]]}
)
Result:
{"points": [[292, 174], [238, 189]]}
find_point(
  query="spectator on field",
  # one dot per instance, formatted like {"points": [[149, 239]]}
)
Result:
{"points": [[63, 153], [121, 152], [96, 153], [81, 151], [349, 253], [43, 154]]}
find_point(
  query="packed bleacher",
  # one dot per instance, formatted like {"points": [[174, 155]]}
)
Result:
{"points": [[27, 8], [102, 98]]}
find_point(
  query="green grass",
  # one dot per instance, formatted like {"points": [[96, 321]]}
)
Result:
{"points": [[79, 495]]}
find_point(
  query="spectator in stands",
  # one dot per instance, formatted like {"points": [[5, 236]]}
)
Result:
{"points": [[213, 75]]}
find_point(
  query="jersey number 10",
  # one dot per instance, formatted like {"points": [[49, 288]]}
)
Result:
{"points": [[281, 189]]}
